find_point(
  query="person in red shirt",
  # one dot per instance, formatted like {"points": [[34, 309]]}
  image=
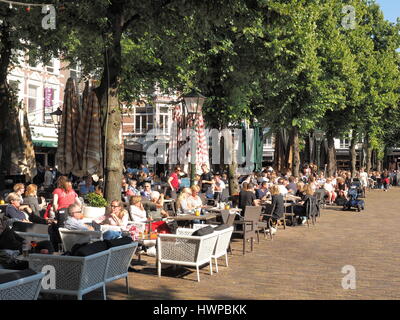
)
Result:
{"points": [[174, 182], [63, 197]]}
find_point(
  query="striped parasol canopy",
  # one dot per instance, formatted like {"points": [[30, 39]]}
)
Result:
{"points": [[66, 156], [201, 145], [175, 134], [88, 137]]}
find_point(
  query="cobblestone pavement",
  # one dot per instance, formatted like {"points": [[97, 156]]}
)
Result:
{"points": [[300, 263]]}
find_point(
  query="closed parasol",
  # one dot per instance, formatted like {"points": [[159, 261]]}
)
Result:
{"points": [[66, 156], [88, 137]]}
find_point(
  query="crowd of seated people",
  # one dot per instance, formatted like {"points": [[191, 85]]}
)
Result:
{"points": [[143, 194]]}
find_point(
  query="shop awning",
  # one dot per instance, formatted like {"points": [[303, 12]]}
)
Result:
{"points": [[45, 143]]}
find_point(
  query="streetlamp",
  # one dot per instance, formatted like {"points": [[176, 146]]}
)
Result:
{"points": [[194, 103], [319, 134], [56, 117]]}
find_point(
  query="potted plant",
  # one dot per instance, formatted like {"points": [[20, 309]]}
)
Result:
{"points": [[96, 206]]}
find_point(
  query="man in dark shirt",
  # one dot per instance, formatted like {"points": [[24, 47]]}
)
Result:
{"points": [[206, 180], [247, 197]]}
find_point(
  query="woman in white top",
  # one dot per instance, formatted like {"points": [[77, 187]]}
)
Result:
{"points": [[182, 203], [194, 201], [138, 213], [118, 216], [330, 191]]}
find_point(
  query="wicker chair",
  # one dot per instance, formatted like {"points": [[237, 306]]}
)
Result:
{"points": [[119, 262], [183, 250], [222, 245], [71, 237], [75, 276], [38, 232], [22, 289]]}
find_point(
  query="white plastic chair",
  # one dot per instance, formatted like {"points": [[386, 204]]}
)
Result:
{"points": [[22, 289], [192, 251]]}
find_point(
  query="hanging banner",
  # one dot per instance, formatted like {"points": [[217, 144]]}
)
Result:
{"points": [[48, 104]]}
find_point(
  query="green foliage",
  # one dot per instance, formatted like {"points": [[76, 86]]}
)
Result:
{"points": [[96, 200]]}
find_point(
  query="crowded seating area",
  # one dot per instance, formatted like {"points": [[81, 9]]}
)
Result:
{"points": [[161, 217]]}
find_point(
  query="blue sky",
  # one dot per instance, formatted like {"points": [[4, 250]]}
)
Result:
{"points": [[390, 8]]}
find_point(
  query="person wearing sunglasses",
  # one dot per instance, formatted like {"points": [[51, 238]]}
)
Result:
{"points": [[74, 220], [146, 193]]}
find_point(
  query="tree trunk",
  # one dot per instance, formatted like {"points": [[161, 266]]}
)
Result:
{"points": [[379, 165], [368, 153], [279, 152], [111, 113], [353, 155], [296, 152], [331, 155], [5, 104], [232, 174]]}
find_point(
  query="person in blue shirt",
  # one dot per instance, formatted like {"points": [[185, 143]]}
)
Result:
{"points": [[262, 192], [87, 187]]}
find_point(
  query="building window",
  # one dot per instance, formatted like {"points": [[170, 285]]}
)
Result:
{"points": [[344, 143], [268, 142], [75, 71], [50, 66], [32, 101]]}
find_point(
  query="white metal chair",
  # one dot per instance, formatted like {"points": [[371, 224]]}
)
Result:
{"points": [[22, 289], [74, 275], [119, 262], [192, 251], [71, 237]]}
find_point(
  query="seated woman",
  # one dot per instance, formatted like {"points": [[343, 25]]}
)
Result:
{"points": [[194, 200], [277, 205], [138, 213], [118, 217], [341, 188], [329, 191], [182, 203], [31, 200], [14, 212], [300, 209]]}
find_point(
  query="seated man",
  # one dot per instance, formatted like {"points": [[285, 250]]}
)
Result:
{"points": [[146, 193], [154, 207], [262, 193], [74, 220]]}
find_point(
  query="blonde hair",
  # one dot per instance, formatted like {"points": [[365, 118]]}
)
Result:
{"points": [[309, 190], [31, 190], [274, 190], [135, 199], [12, 197], [18, 187], [195, 188]]}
